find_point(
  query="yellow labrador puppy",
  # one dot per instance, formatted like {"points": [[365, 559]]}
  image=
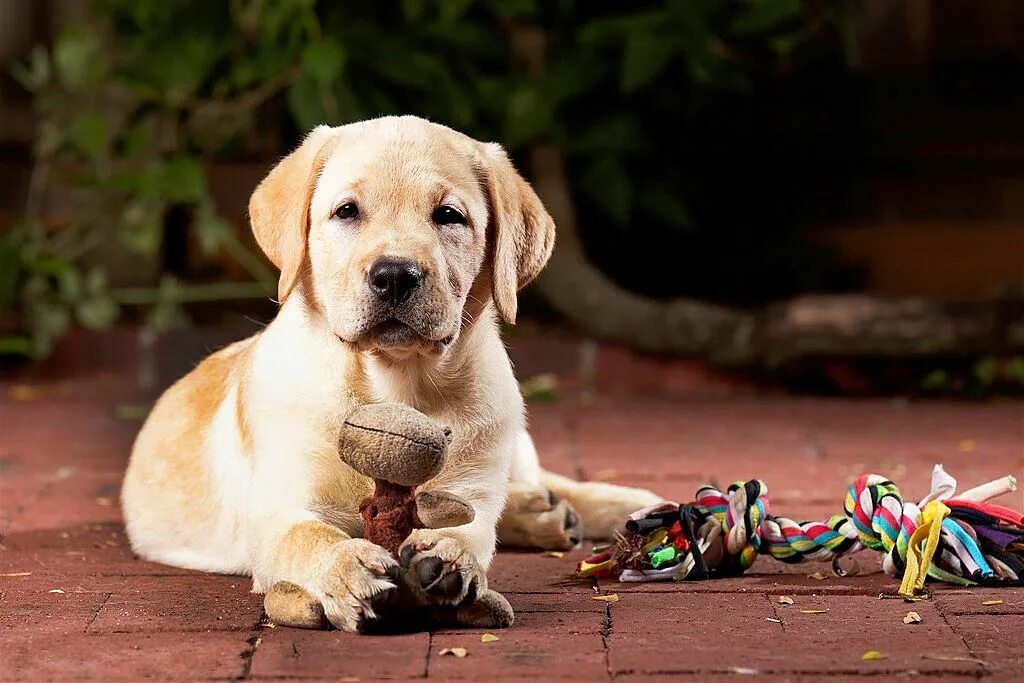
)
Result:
{"points": [[400, 243]]}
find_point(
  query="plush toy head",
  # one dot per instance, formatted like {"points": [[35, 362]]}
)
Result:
{"points": [[400, 448]]}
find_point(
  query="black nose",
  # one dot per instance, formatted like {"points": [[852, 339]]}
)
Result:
{"points": [[392, 280]]}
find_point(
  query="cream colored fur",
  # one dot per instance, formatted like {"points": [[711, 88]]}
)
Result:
{"points": [[236, 469]]}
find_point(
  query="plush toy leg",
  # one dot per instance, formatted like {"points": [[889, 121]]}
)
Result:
{"points": [[287, 604], [440, 509], [489, 610]]}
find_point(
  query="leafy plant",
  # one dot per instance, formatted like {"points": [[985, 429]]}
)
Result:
{"points": [[134, 104]]}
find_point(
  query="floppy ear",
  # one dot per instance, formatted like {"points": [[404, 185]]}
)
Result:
{"points": [[279, 207], [522, 232]]}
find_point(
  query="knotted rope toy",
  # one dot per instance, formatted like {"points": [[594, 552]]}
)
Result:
{"points": [[962, 540]]}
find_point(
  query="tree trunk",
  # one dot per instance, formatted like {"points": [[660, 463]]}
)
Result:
{"points": [[814, 325]]}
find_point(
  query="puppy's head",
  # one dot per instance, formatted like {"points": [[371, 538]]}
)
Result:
{"points": [[399, 230]]}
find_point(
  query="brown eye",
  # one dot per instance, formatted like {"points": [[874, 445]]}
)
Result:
{"points": [[446, 215], [347, 211]]}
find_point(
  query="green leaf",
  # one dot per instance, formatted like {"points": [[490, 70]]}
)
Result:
{"points": [[454, 11], [514, 9], [167, 315], [95, 281], [77, 58], [760, 16], [34, 72], [141, 225], [935, 380], [786, 44], [88, 133], [615, 135], [1014, 370], [668, 205], [413, 10], [211, 230], [97, 313], [528, 116], [986, 370], [15, 346], [323, 60], [138, 140], [49, 321], [645, 57], [49, 137], [305, 103], [70, 285], [183, 179], [607, 185]]}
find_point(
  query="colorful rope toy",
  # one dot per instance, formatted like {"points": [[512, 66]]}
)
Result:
{"points": [[962, 540]]}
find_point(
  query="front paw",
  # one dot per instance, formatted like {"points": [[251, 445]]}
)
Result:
{"points": [[439, 570], [359, 576]]}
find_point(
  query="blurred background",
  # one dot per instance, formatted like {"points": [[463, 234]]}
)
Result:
{"points": [[803, 194]]}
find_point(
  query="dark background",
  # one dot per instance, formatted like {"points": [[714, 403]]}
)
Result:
{"points": [[739, 153]]}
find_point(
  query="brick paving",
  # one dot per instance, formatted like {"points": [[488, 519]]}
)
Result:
{"points": [[76, 604]]}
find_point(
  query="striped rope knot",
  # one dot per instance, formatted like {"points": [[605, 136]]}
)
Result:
{"points": [[741, 510], [964, 540], [887, 523]]}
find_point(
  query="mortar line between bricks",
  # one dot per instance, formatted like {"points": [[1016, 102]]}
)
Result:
{"points": [[606, 630], [986, 669], [253, 641], [96, 612], [832, 673], [775, 611], [430, 648]]}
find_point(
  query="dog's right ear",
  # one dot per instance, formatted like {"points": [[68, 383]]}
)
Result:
{"points": [[279, 207]]}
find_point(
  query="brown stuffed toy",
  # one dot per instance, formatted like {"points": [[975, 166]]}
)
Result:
{"points": [[400, 448]]}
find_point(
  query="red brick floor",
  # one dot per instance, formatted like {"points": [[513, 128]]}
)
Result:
{"points": [[77, 604]]}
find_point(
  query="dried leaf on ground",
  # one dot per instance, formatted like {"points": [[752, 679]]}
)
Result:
{"points": [[543, 387], [992, 602], [612, 597], [488, 638], [813, 611], [817, 576], [873, 654], [785, 600], [56, 590], [553, 553], [459, 652], [912, 618], [23, 392]]}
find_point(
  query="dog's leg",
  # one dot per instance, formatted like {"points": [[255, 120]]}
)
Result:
{"points": [[449, 566], [346, 575], [534, 515], [549, 511], [603, 508]]}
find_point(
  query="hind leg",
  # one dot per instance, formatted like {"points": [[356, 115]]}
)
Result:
{"points": [[553, 512], [602, 508]]}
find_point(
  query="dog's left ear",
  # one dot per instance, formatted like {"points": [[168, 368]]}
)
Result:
{"points": [[522, 233], [279, 207]]}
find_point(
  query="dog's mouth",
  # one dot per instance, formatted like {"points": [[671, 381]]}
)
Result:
{"points": [[392, 334]]}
